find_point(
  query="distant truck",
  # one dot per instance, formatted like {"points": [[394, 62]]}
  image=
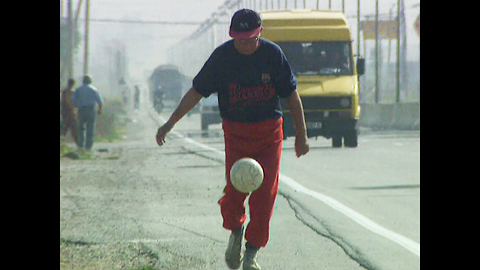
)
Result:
{"points": [[166, 84], [318, 46]]}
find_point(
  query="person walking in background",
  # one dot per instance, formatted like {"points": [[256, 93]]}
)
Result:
{"points": [[68, 111], [85, 98], [137, 98], [250, 75]]}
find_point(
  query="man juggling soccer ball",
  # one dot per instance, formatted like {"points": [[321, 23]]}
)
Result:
{"points": [[250, 75]]}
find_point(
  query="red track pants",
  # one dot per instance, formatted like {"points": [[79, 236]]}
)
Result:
{"points": [[261, 141]]}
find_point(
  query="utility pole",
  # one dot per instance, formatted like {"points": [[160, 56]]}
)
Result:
{"points": [[399, 21], [62, 59], [358, 28], [71, 37], [377, 50], [87, 23]]}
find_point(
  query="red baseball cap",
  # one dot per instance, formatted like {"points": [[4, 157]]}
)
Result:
{"points": [[245, 24]]}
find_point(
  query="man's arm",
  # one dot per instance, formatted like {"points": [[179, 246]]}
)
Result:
{"points": [[100, 102], [189, 101], [296, 108]]}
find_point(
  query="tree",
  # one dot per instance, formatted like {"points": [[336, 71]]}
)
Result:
{"points": [[64, 38]]}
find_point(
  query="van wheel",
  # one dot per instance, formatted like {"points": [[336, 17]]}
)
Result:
{"points": [[337, 141], [351, 139]]}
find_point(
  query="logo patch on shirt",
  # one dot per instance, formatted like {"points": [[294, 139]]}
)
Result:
{"points": [[265, 77], [240, 98]]}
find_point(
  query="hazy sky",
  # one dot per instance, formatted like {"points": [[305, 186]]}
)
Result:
{"points": [[160, 10], [201, 9], [146, 45]]}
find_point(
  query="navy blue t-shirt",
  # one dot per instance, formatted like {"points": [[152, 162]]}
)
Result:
{"points": [[249, 87]]}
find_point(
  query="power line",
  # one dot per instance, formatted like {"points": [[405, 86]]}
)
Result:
{"points": [[145, 22]]}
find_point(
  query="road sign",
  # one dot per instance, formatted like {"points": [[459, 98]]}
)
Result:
{"points": [[417, 25], [386, 29]]}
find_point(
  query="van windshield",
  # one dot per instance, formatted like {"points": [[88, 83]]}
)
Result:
{"points": [[319, 57]]}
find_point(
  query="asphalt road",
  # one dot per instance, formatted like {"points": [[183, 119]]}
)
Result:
{"points": [[338, 208]]}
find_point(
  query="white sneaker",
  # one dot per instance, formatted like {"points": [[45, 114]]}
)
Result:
{"points": [[233, 255], [250, 260]]}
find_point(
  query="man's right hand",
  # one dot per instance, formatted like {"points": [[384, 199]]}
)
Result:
{"points": [[162, 134], [189, 100]]}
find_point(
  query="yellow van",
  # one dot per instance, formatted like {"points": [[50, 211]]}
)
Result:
{"points": [[318, 46]]}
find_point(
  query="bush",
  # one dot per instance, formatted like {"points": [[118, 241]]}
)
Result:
{"points": [[108, 122], [108, 125]]}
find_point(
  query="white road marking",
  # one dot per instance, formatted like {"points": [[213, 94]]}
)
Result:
{"points": [[403, 241], [365, 222]]}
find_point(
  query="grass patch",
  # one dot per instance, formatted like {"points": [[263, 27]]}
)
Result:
{"points": [[78, 255], [64, 148], [108, 126], [144, 268]]}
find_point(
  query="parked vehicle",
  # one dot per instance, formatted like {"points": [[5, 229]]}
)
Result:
{"points": [[210, 112], [318, 46]]}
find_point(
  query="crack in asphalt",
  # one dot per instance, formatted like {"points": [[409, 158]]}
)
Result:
{"points": [[354, 253]]}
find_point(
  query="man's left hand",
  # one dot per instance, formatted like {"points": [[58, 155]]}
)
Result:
{"points": [[301, 146]]}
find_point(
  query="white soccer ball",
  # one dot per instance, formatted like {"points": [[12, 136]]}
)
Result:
{"points": [[246, 175]]}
